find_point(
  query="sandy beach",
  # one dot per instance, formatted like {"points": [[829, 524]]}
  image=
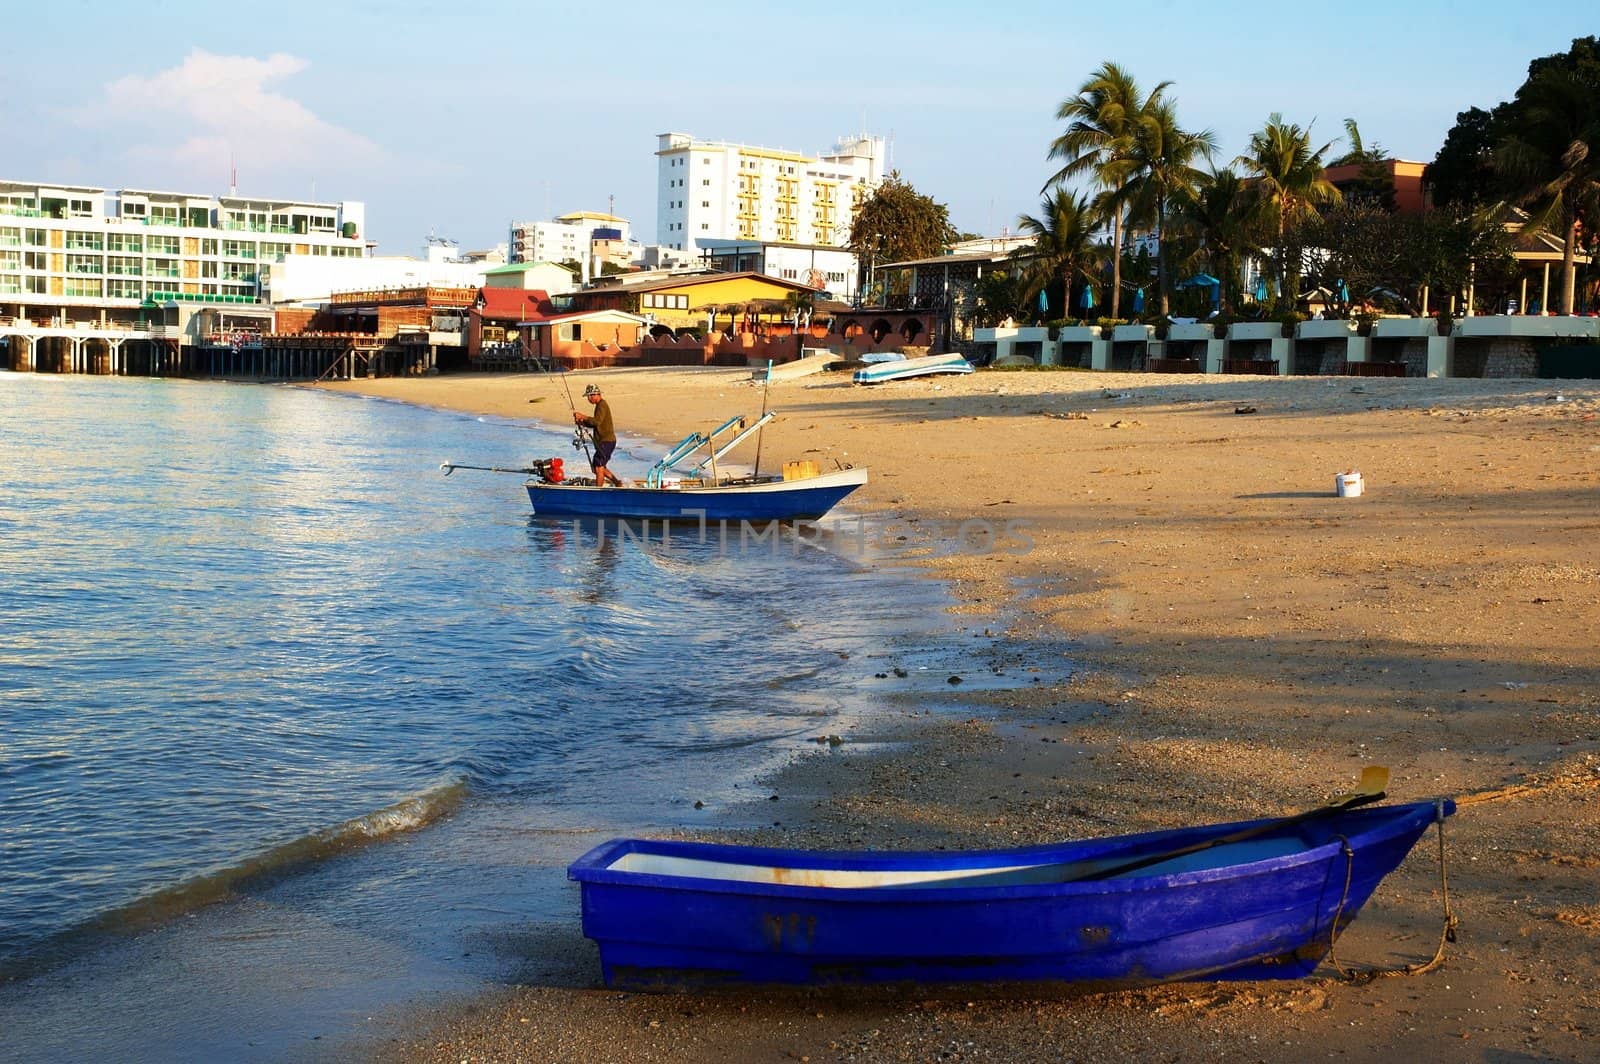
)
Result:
{"points": [[1239, 642]]}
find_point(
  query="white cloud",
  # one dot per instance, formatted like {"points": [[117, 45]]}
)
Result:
{"points": [[210, 108]]}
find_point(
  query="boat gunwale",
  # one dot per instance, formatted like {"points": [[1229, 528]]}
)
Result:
{"points": [[592, 867], [855, 476]]}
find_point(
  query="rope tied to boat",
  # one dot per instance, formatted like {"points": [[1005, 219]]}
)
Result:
{"points": [[1447, 933]]}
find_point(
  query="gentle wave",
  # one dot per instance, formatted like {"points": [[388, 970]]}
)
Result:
{"points": [[160, 906]]}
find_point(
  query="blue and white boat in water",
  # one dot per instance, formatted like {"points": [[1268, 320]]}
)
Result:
{"points": [[1257, 900], [680, 488], [753, 499]]}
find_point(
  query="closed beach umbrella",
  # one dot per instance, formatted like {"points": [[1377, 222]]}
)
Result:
{"points": [[1342, 290], [1138, 300], [1044, 302], [1261, 289], [1086, 301]]}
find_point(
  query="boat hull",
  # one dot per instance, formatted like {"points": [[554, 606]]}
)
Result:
{"points": [[921, 366], [791, 500], [986, 917]]}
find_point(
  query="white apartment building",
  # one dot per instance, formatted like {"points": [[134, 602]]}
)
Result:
{"points": [[569, 238], [73, 252], [714, 190], [296, 278]]}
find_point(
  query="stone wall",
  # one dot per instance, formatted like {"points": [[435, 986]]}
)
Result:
{"points": [[1511, 358], [1414, 353], [1324, 357]]}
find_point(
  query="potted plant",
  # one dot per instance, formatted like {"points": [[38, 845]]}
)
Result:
{"points": [[1447, 321]]}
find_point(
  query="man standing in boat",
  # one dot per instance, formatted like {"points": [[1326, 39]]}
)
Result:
{"points": [[605, 435]]}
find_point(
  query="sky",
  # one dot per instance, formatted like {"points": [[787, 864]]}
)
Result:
{"points": [[456, 120]]}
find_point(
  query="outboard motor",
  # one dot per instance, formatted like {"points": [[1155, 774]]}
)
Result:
{"points": [[549, 470]]}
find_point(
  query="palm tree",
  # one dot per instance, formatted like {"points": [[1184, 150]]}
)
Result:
{"points": [[1064, 243], [1220, 216], [1099, 141], [1164, 164], [1288, 186], [1359, 152], [1552, 157]]}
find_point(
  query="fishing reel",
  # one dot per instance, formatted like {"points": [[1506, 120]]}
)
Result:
{"points": [[548, 469], [580, 438]]}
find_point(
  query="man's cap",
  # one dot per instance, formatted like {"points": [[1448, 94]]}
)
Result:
{"points": [[593, 389]]}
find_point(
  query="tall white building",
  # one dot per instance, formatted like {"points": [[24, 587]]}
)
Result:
{"points": [[714, 190], [66, 250], [569, 238]]}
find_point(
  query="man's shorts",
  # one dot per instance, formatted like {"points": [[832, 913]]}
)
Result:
{"points": [[602, 453]]}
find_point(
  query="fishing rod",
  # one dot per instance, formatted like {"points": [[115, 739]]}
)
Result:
{"points": [[541, 468], [765, 385], [579, 438]]}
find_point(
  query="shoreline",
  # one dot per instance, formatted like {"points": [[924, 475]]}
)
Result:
{"points": [[1248, 643]]}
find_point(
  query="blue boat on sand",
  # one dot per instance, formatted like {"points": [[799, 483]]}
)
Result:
{"points": [[1257, 900], [905, 368]]}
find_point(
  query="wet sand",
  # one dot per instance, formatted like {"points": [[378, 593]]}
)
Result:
{"points": [[1244, 642]]}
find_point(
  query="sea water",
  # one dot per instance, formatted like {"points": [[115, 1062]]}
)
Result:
{"points": [[253, 643]]}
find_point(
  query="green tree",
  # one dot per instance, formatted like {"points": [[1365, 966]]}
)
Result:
{"points": [[999, 296], [1550, 159], [1064, 246], [1288, 188], [1461, 174], [1100, 142], [1219, 216], [1359, 152], [1373, 182], [899, 223], [1165, 164]]}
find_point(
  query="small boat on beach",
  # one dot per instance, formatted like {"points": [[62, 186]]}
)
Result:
{"points": [[1257, 900], [922, 366], [698, 494]]}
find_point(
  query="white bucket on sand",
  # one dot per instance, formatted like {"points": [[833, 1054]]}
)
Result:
{"points": [[1347, 485]]}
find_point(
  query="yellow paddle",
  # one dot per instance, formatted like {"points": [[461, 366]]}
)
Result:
{"points": [[1374, 782]]}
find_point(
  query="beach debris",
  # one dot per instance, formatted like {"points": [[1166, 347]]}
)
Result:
{"points": [[1359, 389], [1109, 394], [831, 740], [699, 804], [953, 680], [899, 672], [1125, 424], [880, 676], [1070, 415], [1244, 410]]}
